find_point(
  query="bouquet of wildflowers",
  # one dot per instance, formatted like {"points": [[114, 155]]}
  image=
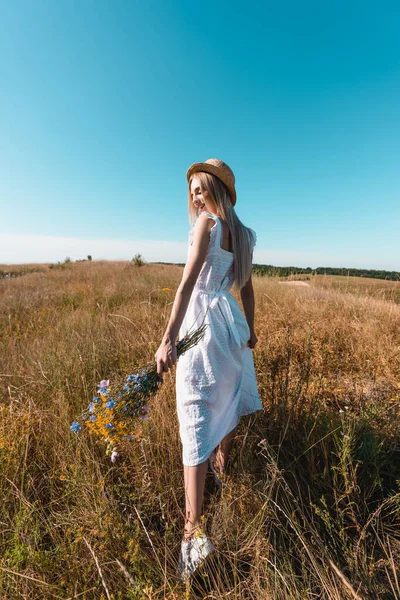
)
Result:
{"points": [[116, 411]]}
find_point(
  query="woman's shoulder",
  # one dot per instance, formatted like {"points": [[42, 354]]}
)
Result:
{"points": [[202, 226], [211, 217], [207, 221]]}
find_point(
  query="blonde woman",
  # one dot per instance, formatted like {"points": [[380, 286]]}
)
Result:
{"points": [[215, 380]]}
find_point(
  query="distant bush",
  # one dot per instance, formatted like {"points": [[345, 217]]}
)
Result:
{"points": [[88, 258], [138, 260], [60, 265]]}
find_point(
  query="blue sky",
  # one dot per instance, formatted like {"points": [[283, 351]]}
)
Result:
{"points": [[104, 105]]}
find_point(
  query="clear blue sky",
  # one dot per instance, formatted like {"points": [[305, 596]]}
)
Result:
{"points": [[104, 105]]}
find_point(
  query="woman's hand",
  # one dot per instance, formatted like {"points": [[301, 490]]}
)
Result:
{"points": [[253, 340], [165, 356]]}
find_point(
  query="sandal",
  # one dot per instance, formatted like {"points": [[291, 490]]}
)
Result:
{"points": [[219, 477], [193, 553]]}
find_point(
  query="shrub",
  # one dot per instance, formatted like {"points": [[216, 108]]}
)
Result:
{"points": [[138, 260]]}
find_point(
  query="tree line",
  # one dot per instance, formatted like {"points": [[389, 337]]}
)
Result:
{"points": [[286, 271]]}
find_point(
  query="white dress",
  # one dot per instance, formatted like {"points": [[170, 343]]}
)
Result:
{"points": [[215, 380]]}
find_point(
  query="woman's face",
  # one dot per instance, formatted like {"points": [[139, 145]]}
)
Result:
{"points": [[201, 201]]}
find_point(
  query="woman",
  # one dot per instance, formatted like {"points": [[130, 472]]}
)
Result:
{"points": [[215, 380]]}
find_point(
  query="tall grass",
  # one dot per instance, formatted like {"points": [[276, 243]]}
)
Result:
{"points": [[311, 505]]}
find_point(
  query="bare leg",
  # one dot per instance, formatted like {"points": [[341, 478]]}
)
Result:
{"points": [[194, 490], [223, 451], [194, 484]]}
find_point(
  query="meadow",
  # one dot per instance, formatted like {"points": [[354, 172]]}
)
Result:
{"points": [[311, 505]]}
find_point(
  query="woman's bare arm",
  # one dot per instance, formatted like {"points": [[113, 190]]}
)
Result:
{"points": [[247, 296], [166, 353]]}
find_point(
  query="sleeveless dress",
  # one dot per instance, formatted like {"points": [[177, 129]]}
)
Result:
{"points": [[215, 380]]}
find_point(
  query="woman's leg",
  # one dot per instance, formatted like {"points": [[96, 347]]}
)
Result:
{"points": [[194, 490], [195, 478], [223, 451]]}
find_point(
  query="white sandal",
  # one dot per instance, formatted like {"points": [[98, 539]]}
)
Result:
{"points": [[193, 554]]}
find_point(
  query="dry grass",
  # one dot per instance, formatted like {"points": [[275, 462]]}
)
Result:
{"points": [[311, 507], [381, 289]]}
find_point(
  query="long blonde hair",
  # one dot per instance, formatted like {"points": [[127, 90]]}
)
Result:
{"points": [[243, 239]]}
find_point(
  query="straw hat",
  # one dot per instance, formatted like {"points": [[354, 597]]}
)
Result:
{"points": [[219, 169]]}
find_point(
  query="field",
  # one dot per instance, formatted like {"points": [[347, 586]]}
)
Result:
{"points": [[359, 286], [311, 506]]}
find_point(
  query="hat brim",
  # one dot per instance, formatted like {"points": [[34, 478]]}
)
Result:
{"points": [[213, 170]]}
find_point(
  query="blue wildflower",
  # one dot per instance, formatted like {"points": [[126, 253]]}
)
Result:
{"points": [[91, 407], [137, 387], [95, 399], [131, 378], [93, 418], [104, 391], [128, 437], [75, 426], [126, 388], [109, 425], [111, 403]]}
